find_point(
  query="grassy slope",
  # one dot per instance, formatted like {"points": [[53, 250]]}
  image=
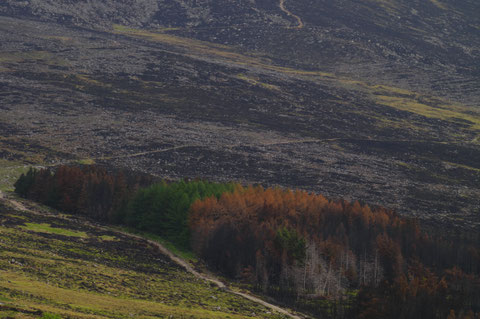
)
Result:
{"points": [[66, 267], [9, 173]]}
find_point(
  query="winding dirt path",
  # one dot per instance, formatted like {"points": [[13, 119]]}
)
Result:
{"points": [[179, 261], [142, 153], [210, 278], [17, 205], [300, 23], [266, 144]]}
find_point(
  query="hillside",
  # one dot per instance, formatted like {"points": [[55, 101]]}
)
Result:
{"points": [[57, 264], [329, 258], [373, 100]]}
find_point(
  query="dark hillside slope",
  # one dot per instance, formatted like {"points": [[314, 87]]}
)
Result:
{"points": [[431, 45], [371, 100]]}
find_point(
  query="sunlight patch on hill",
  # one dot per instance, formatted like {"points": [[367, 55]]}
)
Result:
{"points": [[438, 4], [441, 112], [48, 229]]}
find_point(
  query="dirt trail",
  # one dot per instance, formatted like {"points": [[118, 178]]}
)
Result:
{"points": [[210, 278], [300, 23], [14, 203], [300, 141], [274, 143], [143, 153], [175, 258], [19, 206]]}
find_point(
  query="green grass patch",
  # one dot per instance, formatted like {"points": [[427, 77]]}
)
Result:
{"points": [[111, 306], [257, 82], [46, 228], [86, 161], [470, 168], [9, 173], [403, 164], [107, 238], [50, 316], [451, 113]]}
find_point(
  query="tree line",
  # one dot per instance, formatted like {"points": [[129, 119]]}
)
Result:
{"points": [[299, 247], [335, 259], [120, 197], [163, 208], [92, 191]]}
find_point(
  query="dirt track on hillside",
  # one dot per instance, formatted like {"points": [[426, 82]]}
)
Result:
{"points": [[300, 23], [19, 206]]}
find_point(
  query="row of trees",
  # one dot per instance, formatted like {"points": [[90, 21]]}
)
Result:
{"points": [[332, 258], [86, 190], [121, 198], [163, 208]]}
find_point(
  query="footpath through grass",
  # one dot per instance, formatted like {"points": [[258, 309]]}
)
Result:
{"points": [[56, 268]]}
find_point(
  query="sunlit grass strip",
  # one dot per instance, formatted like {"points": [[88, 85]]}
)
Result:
{"points": [[438, 4], [101, 304], [10, 171], [442, 112], [218, 50], [256, 82], [46, 228], [108, 238]]}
